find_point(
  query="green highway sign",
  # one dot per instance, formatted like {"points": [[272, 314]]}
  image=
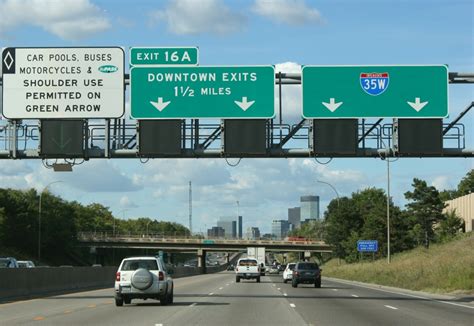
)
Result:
{"points": [[375, 91], [157, 56], [237, 92]]}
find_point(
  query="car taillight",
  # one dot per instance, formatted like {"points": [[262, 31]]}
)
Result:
{"points": [[161, 276], [296, 273], [117, 276]]}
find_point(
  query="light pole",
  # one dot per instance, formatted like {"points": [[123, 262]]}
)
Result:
{"points": [[39, 218], [333, 188], [123, 215]]}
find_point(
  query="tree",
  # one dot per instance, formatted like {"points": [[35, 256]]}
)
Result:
{"points": [[466, 186], [426, 208], [449, 227]]}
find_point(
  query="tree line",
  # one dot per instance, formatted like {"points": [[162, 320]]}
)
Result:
{"points": [[61, 221], [363, 216]]}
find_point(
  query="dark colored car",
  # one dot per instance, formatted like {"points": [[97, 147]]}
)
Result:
{"points": [[306, 273]]}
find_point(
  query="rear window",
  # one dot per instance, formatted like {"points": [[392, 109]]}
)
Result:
{"points": [[248, 262], [131, 265], [291, 267], [5, 263], [307, 266]]}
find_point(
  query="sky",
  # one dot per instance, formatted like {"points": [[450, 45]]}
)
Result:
{"points": [[284, 33]]}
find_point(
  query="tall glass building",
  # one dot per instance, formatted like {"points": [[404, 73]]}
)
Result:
{"points": [[309, 208], [280, 229], [294, 216]]}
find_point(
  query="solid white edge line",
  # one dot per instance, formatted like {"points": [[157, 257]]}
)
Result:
{"points": [[391, 307], [405, 294], [292, 305]]}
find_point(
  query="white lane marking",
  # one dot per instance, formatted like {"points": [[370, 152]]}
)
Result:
{"points": [[158, 324], [386, 305], [227, 284], [405, 294], [285, 294], [355, 295], [211, 293], [278, 289], [334, 289], [292, 305], [192, 305], [273, 285], [220, 288]]}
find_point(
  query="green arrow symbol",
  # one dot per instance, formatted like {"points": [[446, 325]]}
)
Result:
{"points": [[61, 144]]}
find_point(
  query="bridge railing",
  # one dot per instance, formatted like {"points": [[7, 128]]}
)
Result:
{"points": [[108, 236]]}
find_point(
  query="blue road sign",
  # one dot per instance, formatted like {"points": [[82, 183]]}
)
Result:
{"points": [[367, 245]]}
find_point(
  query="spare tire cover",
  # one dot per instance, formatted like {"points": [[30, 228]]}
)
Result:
{"points": [[142, 279]]}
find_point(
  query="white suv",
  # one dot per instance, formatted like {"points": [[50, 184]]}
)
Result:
{"points": [[143, 278]]}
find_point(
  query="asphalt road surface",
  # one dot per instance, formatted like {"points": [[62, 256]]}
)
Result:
{"points": [[217, 300]]}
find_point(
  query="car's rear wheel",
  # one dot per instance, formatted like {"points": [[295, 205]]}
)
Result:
{"points": [[258, 279], [119, 302], [237, 279], [170, 297]]}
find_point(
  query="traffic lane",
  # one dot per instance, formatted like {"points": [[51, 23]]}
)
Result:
{"points": [[330, 305], [342, 303], [97, 306], [428, 310], [243, 303]]}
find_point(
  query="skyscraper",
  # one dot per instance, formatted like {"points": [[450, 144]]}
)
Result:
{"points": [[239, 227], [229, 224], [280, 229], [309, 208], [294, 216]]}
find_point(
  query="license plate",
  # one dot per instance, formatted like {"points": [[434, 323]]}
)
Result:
{"points": [[126, 289]]}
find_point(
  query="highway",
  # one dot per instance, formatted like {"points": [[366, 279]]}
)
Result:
{"points": [[215, 299]]}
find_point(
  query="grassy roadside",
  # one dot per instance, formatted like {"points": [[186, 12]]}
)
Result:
{"points": [[443, 268]]}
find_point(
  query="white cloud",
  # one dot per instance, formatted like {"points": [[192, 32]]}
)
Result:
{"points": [[197, 17], [442, 182], [291, 12], [67, 19], [125, 202], [291, 95]]}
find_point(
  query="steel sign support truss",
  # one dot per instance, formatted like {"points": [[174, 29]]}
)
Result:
{"points": [[117, 138]]}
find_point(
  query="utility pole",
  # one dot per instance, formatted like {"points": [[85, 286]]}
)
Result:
{"points": [[190, 208]]}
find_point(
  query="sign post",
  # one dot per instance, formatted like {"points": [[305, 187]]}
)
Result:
{"points": [[63, 83], [375, 91], [228, 92]]}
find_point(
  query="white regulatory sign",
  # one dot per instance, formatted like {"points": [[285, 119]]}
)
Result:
{"points": [[63, 83]]}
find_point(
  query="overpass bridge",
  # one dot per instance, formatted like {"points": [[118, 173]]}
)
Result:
{"points": [[189, 244]]}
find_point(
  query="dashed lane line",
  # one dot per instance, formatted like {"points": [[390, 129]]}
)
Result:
{"points": [[212, 293], [38, 318], [391, 307], [335, 290], [193, 304], [285, 294], [220, 288], [292, 305], [355, 295]]}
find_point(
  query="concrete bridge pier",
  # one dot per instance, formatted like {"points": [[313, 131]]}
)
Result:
{"points": [[201, 261]]}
